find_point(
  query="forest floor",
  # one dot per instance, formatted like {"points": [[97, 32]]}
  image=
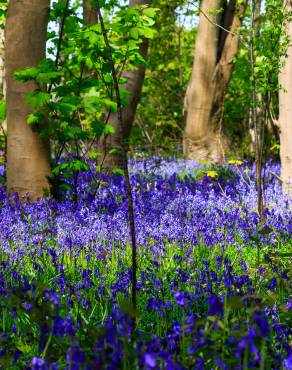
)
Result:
{"points": [[213, 280]]}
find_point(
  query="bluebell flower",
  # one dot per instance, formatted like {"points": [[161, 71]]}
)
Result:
{"points": [[287, 363], [215, 305], [150, 360], [38, 364], [262, 323], [247, 341], [180, 298]]}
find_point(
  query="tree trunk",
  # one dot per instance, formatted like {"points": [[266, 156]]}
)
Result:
{"points": [[89, 12], [224, 67], [259, 113], [134, 86], [212, 69], [285, 111], [2, 69], [199, 138], [3, 126], [28, 166]]}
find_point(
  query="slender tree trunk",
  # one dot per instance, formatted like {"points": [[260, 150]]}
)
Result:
{"points": [[89, 12], [28, 166], [285, 110], [3, 126], [2, 67], [259, 114], [135, 79], [212, 70]]}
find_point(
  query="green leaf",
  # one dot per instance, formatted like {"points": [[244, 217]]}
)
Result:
{"points": [[108, 130], [23, 347], [37, 99], [123, 95], [77, 165], [148, 33], [26, 74], [97, 128], [92, 101], [112, 105], [65, 186], [35, 118], [286, 255], [58, 169], [2, 110], [94, 154], [134, 33], [47, 77], [150, 12], [108, 78], [118, 171]]}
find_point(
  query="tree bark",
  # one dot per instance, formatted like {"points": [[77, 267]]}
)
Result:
{"points": [[224, 67], [199, 139], [3, 126], [89, 12], [134, 84], [28, 166], [285, 111], [212, 70], [2, 68], [259, 114]]}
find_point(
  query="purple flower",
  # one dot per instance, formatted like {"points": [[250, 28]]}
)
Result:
{"points": [[14, 329], [215, 305], [243, 265], [180, 298], [69, 326], [52, 296], [150, 360], [38, 364], [247, 341], [261, 270], [288, 362], [262, 323], [220, 364], [27, 306]]}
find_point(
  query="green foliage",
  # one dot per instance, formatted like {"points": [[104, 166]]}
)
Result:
{"points": [[238, 103], [74, 83], [37, 99], [270, 45], [159, 120], [3, 11], [2, 110]]}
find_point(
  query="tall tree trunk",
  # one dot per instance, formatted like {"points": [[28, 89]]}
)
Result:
{"points": [[199, 139], [134, 84], [285, 110], [259, 114], [212, 69], [3, 126], [2, 68], [28, 166], [224, 67], [89, 12]]}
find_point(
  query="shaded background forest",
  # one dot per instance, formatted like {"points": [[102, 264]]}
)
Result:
{"points": [[210, 93]]}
